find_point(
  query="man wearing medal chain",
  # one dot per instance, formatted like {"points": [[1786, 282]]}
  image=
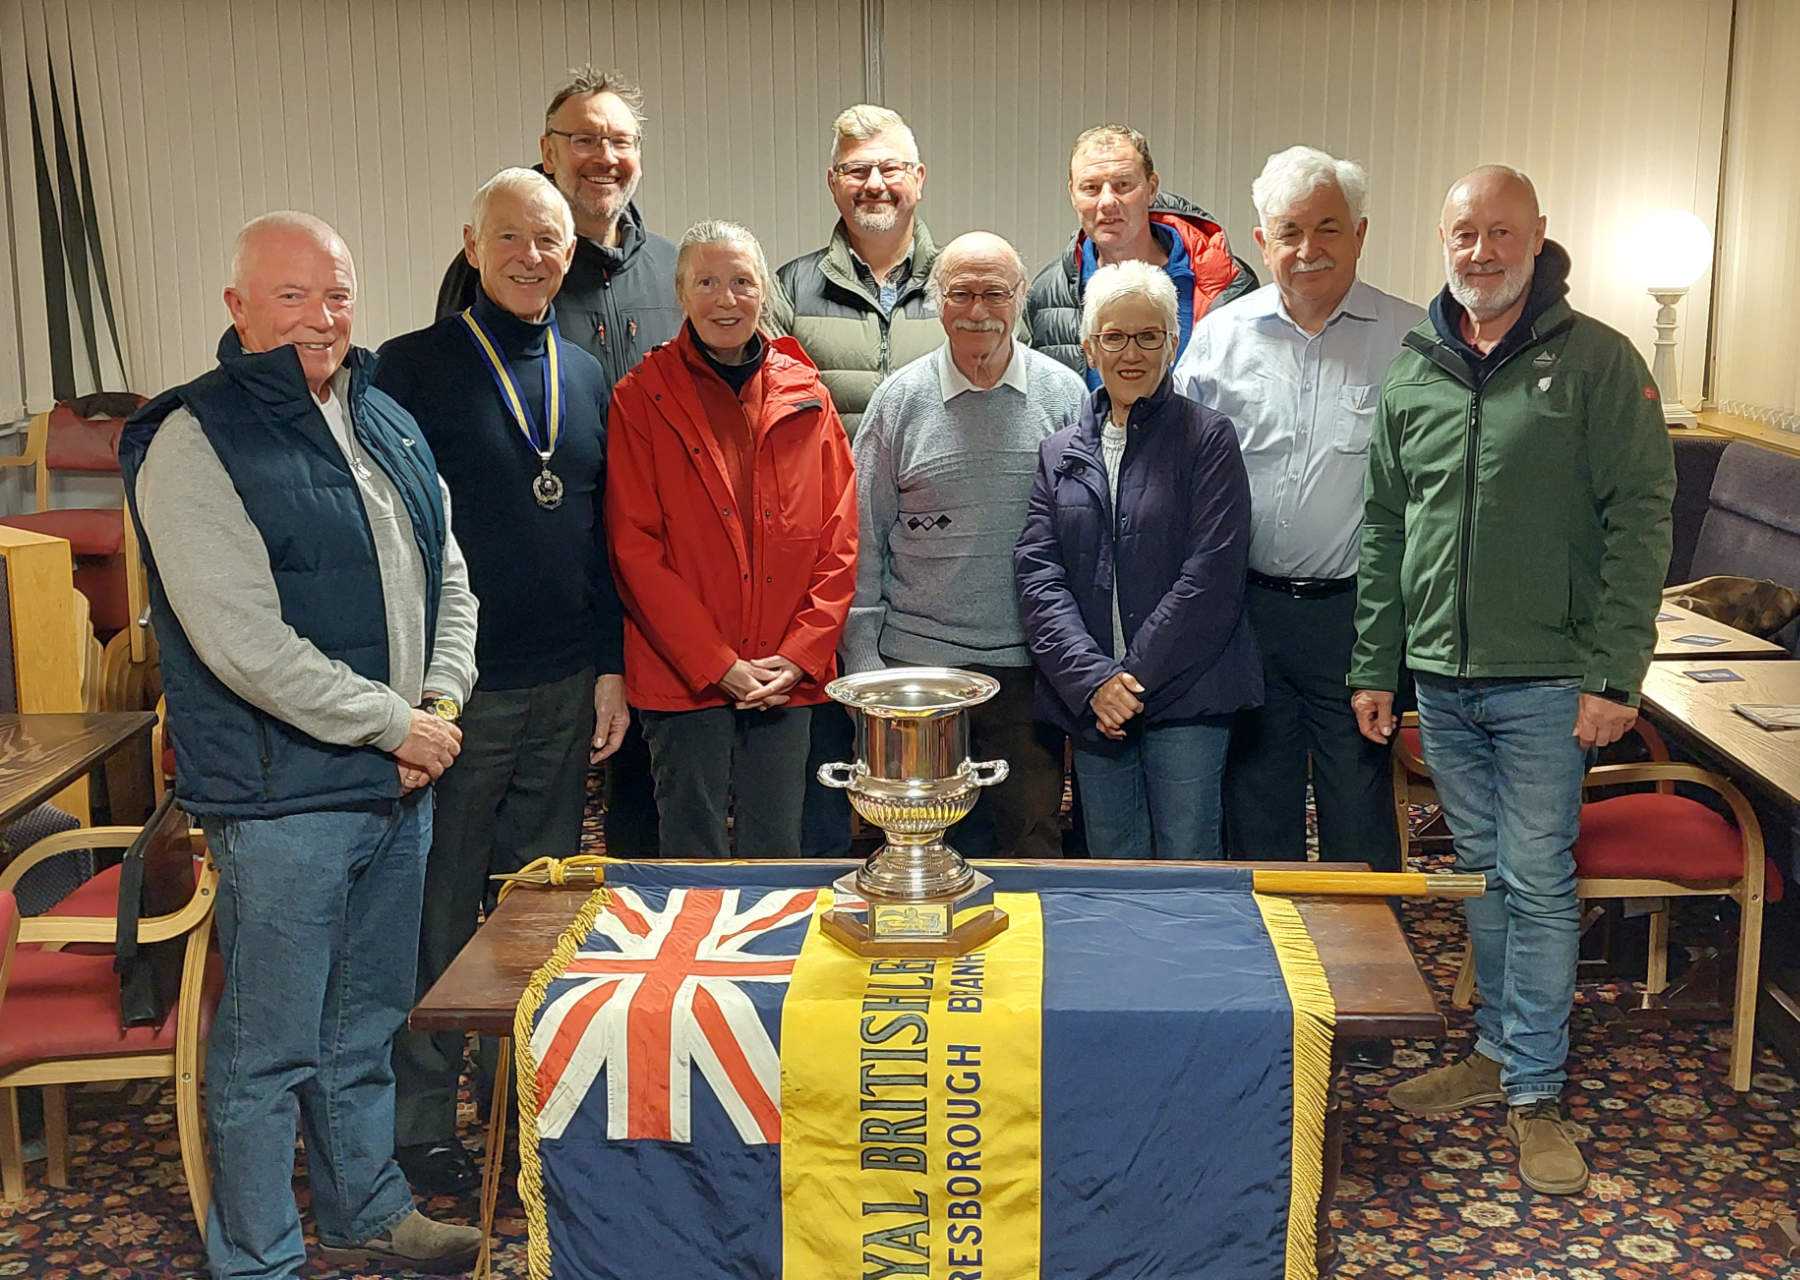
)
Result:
{"points": [[617, 301], [516, 416]]}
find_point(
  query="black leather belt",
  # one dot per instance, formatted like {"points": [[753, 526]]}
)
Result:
{"points": [[1303, 588]]}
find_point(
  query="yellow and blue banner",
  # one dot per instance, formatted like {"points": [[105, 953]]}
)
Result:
{"points": [[1129, 1082]]}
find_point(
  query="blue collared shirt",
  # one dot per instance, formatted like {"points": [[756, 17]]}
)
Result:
{"points": [[1304, 407]]}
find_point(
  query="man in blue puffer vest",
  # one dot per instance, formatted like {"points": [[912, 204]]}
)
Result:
{"points": [[317, 635]]}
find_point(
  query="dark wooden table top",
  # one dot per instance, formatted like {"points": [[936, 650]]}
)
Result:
{"points": [[1684, 622], [1374, 979], [1769, 759], [41, 753]]}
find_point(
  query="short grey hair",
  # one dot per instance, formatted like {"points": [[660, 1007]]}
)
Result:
{"points": [[953, 251], [585, 81], [521, 182], [719, 231], [1112, 137], [1292, 175], [864, 121], [285, 220], [1130, 279]]}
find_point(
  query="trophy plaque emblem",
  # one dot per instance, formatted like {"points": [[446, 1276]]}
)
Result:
{"points": [[912, 777]]}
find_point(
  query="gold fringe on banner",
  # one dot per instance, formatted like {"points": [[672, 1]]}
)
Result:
{"points": [[531, 1170], [1315, 1014]]}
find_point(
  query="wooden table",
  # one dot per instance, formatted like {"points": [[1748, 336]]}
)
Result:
{"points": [[1684, 622], [42, 753], [1374, 979], [1701, 712]]}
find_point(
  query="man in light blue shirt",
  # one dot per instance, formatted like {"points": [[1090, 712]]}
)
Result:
{"points": [[1297, 367]]}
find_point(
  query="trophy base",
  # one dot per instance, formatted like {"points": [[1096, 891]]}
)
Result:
{"points": [[883, 926]]}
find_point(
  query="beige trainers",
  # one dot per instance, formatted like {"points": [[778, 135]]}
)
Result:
{"points": [[417, 1243], [1470, 1082], [1549, 1160]]}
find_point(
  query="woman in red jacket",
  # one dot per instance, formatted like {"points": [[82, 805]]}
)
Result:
{"points": [[731, 514]]}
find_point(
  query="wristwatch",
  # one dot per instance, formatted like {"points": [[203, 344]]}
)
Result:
{"points": [[1615, 694], [443, 708]]}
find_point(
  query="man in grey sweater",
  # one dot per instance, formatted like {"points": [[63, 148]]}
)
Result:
{"points": [[317, 637], [945, 458]]}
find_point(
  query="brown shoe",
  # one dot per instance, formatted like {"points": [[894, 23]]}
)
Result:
{"points": [[417, 1244], [1549, 1160], [1467, 1083]]}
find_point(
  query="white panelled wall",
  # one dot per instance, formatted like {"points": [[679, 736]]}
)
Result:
{"points": [[1614, 107], [384, 115], [1756, 338]]}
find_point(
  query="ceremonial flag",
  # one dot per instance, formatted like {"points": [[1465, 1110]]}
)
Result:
{"points": [[1129, 1082]]}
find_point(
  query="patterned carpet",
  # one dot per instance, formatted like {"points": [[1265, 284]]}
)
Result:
{"points": [[1686, 1174]]}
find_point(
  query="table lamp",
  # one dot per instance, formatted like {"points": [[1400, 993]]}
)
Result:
{"points": [[1669, 251]]}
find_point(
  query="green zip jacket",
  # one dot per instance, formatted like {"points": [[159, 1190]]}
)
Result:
{"points": [[835, 317], [1517, 523]]}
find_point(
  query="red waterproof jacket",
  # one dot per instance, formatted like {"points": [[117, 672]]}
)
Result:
{"points": [[704, 583]]}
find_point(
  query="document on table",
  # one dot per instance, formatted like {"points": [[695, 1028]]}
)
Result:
{"points": [[1770, 715]]}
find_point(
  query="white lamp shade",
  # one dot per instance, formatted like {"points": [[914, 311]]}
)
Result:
{"points": [[1669, 250]]}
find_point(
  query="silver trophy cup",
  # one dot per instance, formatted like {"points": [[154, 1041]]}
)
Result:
{"points": [[913, 778]]}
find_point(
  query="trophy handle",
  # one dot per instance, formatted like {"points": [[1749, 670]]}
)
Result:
{"points": [[839, 776], [987, 772]]}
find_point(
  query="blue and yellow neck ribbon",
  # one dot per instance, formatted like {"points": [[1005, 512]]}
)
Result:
{"points": [[543, 444]]}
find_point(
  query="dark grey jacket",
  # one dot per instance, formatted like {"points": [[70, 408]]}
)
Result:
{"points": [[617, 303], [1053, 306]]}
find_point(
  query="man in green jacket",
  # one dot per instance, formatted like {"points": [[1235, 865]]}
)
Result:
{"points": [[860, 310], [1514, 543]]}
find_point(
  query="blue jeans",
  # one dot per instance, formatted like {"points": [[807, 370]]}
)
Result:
{"points": [[1507, 769], [319, 927], [1156, 794]]}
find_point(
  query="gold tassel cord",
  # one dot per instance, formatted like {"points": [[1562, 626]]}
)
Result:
{"points": [[531, 1170], [1315, 1015], [587, 869]]}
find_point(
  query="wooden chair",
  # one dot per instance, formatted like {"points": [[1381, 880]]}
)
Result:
{"points": [[108, 566], [60, 1018], [1662, 846]]}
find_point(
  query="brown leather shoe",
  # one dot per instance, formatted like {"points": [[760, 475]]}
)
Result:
{"points": [[417, 1244], [1549, 1160], [1470, 1082]]}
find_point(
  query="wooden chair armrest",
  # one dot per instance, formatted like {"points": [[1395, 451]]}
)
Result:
{"points": [[62, 842], [104, 929]]}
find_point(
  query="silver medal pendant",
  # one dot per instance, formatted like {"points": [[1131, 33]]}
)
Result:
{"points": [[547, 488]]}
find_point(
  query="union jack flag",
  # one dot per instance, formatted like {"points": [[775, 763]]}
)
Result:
{"points": [[657, 991]]}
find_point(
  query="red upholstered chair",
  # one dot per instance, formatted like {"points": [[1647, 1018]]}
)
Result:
{"points": [[60, 1020], [108, 569], [1661, 846]]}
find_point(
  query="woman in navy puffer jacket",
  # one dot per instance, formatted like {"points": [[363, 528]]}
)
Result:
{"points": [[1131, 583]]}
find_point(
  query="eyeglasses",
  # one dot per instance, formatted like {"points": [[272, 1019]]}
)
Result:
{"points": [[622, 144], [992, 297], [1116, 339], [858, 171]]}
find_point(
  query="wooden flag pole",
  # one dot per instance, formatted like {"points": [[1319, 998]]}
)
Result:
{"points": [[1397, 884]]}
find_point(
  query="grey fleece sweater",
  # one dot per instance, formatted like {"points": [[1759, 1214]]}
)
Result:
{"points": [[942, 488], [215, 571]]}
